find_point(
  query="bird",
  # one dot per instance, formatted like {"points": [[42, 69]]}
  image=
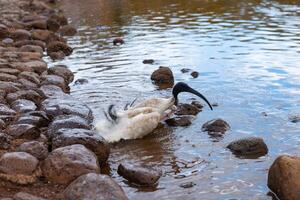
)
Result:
{"points": [[141, 119]]}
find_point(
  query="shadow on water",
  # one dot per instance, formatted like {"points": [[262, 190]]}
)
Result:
{"points": [[247, 56]]}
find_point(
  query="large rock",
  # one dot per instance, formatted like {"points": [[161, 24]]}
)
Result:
{"points": [[179, 121], [9, 87], [19, 167], [67, 122], [31, 48], [5, 110], [55, 80], [163, 77], [251, 146], [65, 164], [37, 149], [37, 121], [216, 127], [63, 71], [7, 77], [26, 196], [37, 24], [10, 71], [139, 175], [94, 187], [56, 46], [42, 35], [48, 91], [284, 176], [187, 109], [37, 66], [23, 105], [23, 131], [20, 34], [90, 139], [24, 94]]}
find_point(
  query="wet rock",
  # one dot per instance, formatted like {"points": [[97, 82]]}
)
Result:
{"points": [[24, 94], [5, 141], [3, 31], [187, 109], [30, 42], [2, 124], [94, 186], [81, 81], [251, 146], [59, 18], [37, 66], [7, 77], [19, 167], [37, 149], [63, 71], [197, 104], [29, 56], [26, 196], [30, 76], [66, 106], [58, 55], [65, 164], [187, 185], [284, 176], [27, 84], [179, 121], [52, 25], [31, 48], [148, 61], [8, 41], [42, 35], [195, 74], [118, 41], [23, 106], [67, 30], [37, 121], [10, 71], [23, 131], [139, 175], [185, 70], [20, 34], [216, 127], [48, 91], [294, 119], [67, 122], [163, 77], [9, 87], [55, 80], [37, 24], [59, 46], [5, 110], [90, 139]]}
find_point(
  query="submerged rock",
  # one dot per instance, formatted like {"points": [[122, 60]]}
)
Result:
{"points": [[294, 119], [93, 187], [81, 81], [216, 127], [148, 61], [65, 164], [37, 149], [179, 121], [195, 74], [284, 176], [139, 175], [187, 109], [185, 70], [251, 146], [118, 41], [163, 77]]}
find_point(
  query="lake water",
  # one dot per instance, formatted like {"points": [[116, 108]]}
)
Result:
{"points": [[247, 56]]}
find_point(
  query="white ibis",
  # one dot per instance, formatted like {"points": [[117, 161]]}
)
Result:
{"points": [[141, 119]]}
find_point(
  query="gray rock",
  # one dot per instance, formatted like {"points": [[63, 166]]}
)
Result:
{"points": [[63, 71], [55, 80], [5, 110], [23, 105], [37, 149]]}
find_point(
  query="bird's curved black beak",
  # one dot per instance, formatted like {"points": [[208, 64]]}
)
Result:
{"points": [[183, 87]]}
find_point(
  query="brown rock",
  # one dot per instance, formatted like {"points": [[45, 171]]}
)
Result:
{"points": [[93, 187], [26, 196], [37, 149], [5, 110], [148, 61], [28, 84], [197, 104], [59, 46], [67, 30], [90, 139], [10, 71], [30, 42], [251, 146], [58, 55], [23, 106], [139, 175], [179, 121], [20, 34], [216, 127], [9, 87], [163, 77], [118, 41], [52, 25], [37, 66], [37, 24], [65, 164], [63, 71], [24, 94], [284, 176], [187, 109], [3, 31], [31, 48], [42, 35], [30, 76], [2, 124], [29, 56], [23, 131], [60, 18], [7, 77], [48, 91], [5, 141], [55, 80], [195, 74]]}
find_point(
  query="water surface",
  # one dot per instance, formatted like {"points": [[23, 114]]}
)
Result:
{"points": [[247, 55]]}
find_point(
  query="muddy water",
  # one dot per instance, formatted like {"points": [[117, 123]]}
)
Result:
{"points": [[247, 54]]}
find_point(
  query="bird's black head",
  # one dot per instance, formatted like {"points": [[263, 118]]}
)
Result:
{"points": [[183, 87]]}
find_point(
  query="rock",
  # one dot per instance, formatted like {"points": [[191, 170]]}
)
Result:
{"points": [[93, 187], [3, 31], [19, 167], [58, 55], [5, 141], [197, 104], [37, 121], [63, 71], [37, 66], [26, 196], [65, 164], [9, 87], [59, 46], [148, 61], [81, 81], [5, 110], [29, 56], [42, 35], [163, 77], [294, 119], [67, 122], [284, 176], [24, 94], [179, 121], [187, 109], [7, 77], [10, 71], [118, 41], [187, 185], [31, 48], [251, 146], [185, 70], [2, 124], [20, 34], [31, 76], [216, 127], [48, 91], [139, 175], [30, 42], [27, 84], [67, 30], [195, 74], [23, 106], [55, 80], [7, 41], [52, 25], [56, 106], [23, 131], [37, 149], [90, 139], [59, 18], [37, 24]]}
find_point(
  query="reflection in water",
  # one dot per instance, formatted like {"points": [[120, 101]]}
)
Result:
{"points": [[247, 56]]}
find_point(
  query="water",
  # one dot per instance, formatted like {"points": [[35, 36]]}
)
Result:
{"points": [[247, 55]]}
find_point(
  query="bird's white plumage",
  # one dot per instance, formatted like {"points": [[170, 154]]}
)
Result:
{"points": [[137, 121]]}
